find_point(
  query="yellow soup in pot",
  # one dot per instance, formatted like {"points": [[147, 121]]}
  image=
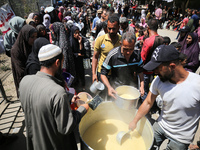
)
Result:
{"points": [[127, 96], [102, 136]]}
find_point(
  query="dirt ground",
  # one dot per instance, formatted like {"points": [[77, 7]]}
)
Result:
{"points": [[7, 77]]}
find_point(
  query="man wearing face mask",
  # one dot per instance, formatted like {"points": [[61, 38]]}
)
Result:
{"points": [[104, 44], [50, 122], [124, 64]]}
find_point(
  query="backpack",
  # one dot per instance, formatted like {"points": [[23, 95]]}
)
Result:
{"points": [[158, 41]]}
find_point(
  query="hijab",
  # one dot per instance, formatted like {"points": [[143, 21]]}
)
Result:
{"points": [[19, 53], [63, 42], [73, 41], [143, 24], [46, 22], [33, 64], [28, 21], [30, 16], [182, 40], [143, 13], [192, 51], [185, 21], [15, 24]]}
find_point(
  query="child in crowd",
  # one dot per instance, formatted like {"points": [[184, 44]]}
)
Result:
{"points": [[183, 57], [42, 31], [132, 23], [137, 28], [167, 40]]}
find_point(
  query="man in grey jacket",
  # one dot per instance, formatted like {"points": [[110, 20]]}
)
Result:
{"points": [[50, 122]]}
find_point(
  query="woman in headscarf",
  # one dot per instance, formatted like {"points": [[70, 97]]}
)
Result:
{"points": [[191, 49], [183, 35], [42, 32], [31, 22], [46, 21], [63, 42], [33, 64], [30, 16], [76, 44], [143, 14], [20, 51], [15, 24], [60, 14], [143, 23]]}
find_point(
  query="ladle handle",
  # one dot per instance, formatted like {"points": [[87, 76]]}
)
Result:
{"points": [[129, 131]]}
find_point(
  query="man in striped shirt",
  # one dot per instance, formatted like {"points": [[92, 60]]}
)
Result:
{"points": [[125, 64]]}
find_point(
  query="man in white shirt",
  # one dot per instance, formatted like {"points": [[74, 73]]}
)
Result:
{"points": [[179, 90]]}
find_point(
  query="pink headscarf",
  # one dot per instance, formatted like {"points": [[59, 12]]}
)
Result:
{"points": [[60, 8], [185, 21], [143, 24]]}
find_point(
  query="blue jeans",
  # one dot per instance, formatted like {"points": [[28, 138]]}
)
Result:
{"points": [[160, 136]]}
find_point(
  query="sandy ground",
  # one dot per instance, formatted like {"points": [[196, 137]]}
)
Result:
{"points": [[11, 114]]}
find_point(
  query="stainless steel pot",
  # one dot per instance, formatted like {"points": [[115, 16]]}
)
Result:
{"points": [[108, 110], [127, 103]]}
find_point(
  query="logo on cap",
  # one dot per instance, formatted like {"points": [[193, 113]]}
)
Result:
{"points": [[155, 54]]}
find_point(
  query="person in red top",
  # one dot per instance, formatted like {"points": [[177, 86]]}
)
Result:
{"points": [[60, 14], [148, 47]]}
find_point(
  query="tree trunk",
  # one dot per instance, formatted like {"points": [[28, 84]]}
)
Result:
{"points": [[184, 5]]}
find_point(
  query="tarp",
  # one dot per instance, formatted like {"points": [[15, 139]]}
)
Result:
{"points": [[6, 13]]}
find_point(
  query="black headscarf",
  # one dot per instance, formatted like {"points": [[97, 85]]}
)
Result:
{"points": [[33, 64], [73, 41], [19, 53], [192, 52]]}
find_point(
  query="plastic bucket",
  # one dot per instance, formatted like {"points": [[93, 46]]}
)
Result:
{"points": [[84, 98]]}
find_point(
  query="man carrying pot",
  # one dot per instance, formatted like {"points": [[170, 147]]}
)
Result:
{"points": [[179, 90], [125, 64], [50, 122]]}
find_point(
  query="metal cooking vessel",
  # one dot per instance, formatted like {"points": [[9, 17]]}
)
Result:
{"points": [[108, 110], [126, 103]]}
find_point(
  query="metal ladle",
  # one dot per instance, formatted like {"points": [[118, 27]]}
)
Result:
{"points": [[122, 134]]}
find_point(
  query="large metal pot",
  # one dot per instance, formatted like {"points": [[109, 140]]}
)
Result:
{"points": [[127, 103], [108, 110]]}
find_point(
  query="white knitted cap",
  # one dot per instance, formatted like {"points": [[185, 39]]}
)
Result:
{"points": [[48, 51]]}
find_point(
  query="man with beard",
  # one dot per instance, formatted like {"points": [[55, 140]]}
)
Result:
{"points": [[50, 122], [179, 90], [104, 44]]}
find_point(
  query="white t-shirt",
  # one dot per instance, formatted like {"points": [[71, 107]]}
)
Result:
{"points": [[180, 112]]}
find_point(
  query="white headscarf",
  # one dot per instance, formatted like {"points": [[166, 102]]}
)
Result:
{"points": [[143, 15], [46, 22]]}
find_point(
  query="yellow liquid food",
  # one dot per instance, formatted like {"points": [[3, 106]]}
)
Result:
{"points": [[127, 96], [102, 136]]}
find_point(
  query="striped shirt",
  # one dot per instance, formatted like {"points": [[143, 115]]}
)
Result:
{"points": [[122, 72]]}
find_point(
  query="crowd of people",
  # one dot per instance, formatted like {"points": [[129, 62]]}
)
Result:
{"points": [[127, 51]]}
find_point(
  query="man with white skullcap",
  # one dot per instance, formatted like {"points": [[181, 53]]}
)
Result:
{"points": [[50, 122]]}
